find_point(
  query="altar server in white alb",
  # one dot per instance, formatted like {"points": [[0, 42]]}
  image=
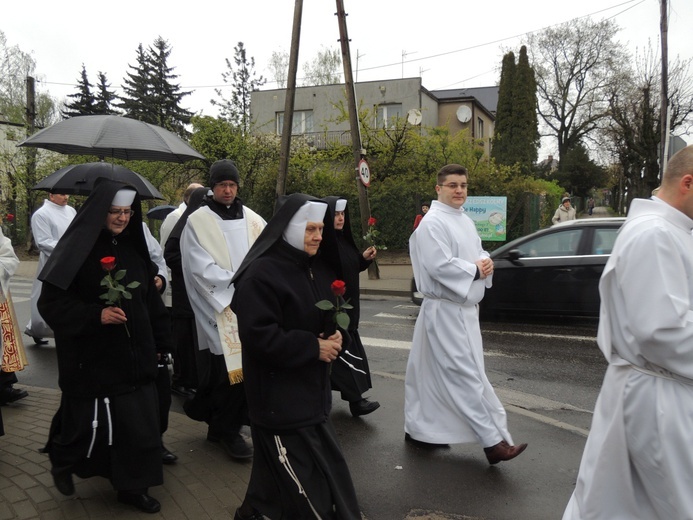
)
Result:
{"points": [[637, 462], [213, 244], [48, 223], [448, 398]]}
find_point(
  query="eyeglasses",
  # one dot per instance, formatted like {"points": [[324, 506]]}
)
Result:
{"points": [[454, 185], [118, 212], [225, 185]]}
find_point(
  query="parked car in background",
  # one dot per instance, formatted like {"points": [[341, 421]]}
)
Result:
{"points": [[553, 271]]}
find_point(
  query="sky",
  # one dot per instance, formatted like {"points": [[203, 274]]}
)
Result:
{"points": [[449, 43]]}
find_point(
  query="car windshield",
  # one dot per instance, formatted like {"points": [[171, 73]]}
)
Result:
{"points": [[561, 243]]}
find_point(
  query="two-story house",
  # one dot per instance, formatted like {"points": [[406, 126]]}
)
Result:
{"points": [[318, 109]]}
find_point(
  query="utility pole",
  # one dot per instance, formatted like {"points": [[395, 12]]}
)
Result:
{"points": [[289, 104], [359, 153], [31, 160], [664, 107]]}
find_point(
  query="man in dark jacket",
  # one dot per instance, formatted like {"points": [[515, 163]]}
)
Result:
{"points": [[107, 343]]}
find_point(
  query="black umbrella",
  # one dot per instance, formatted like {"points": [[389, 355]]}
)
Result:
{"points": [[160, 212], [78, 179], [113, 136]]}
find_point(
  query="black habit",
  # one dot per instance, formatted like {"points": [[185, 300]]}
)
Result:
{"points": [[287, 385], [108, 422], [351, 375]]}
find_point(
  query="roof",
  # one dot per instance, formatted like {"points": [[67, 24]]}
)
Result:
{"points": [[487, 96]]}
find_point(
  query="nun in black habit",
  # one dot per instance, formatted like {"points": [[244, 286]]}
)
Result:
{"points": [[350, 375], [298, 468], [108, 423]]}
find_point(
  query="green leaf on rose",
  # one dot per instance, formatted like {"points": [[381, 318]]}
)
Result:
{"points": [[325, 305], [342, 319]]}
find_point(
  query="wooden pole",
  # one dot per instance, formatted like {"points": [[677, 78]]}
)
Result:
{"points": [[289, 104], [358, 152]]}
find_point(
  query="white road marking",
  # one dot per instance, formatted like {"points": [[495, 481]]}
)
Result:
{"points": [[395, 316]]}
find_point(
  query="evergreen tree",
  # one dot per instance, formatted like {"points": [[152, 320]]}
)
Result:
{"points": [[83, 101], [516, 133], [526, 133], [137, 99], [243, 82], [578, 173], [104, 97], [502, 133], [166, 96]]}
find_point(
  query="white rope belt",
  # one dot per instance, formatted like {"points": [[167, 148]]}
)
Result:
{"points": [[95, 424], [284, 461], [341, 358], [663, 373]]}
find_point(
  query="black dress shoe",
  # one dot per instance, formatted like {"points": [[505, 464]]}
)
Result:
{"points": [[363, 407], [10, 394], [167, 457], [39, 341], [255, 515], [141, 501], [236, 447], [63, 482]]}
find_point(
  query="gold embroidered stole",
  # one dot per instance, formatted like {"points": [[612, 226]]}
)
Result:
{"points": [[13, 354], [212, 240]]}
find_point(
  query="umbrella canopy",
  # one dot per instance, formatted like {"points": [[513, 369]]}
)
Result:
{"points": [[113, 136], [160, 212], [78, 179]]}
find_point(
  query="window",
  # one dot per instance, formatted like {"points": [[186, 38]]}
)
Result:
{"points": [[302, 123], [386, 115], [480, 128], [563, 243], [604, 241]]}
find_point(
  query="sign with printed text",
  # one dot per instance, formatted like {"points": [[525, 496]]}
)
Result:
{"points": [[489, 215], [364, 173]]}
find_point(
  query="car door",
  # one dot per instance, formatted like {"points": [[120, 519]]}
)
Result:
{"points": [[539, 275], [596, 253]]}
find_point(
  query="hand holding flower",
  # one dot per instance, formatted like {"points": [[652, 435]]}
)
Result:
{"points": [[113, 316], [330, 347], [115, 292]]}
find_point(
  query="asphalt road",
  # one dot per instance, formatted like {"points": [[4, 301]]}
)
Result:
{"points": [[546, 374]]}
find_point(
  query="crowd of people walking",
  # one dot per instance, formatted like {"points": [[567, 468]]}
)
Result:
{"points": [[260, 319]]}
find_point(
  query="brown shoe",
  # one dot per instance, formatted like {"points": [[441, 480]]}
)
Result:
{"points": [[503, 451]]}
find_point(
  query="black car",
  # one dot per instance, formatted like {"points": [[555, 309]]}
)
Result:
{"points": [[552, 271]]}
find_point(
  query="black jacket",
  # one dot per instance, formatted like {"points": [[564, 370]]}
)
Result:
{"points": [[100, 360], [287, 386]]}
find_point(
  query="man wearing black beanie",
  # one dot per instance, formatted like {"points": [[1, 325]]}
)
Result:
{"points": [[213, 243]]}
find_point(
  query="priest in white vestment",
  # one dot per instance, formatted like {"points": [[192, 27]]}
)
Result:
{"points": [[637, 462], [48, 223], [214, 242], [448, 398]]}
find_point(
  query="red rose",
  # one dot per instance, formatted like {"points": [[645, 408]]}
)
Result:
{"points": [[108, 263], [10, 217], [371, 221], [338, 288]]}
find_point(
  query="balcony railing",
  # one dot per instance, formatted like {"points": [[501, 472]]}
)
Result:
{"points": [[322, 140]]}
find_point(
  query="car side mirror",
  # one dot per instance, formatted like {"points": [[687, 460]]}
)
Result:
{"points": [[514, 255]]}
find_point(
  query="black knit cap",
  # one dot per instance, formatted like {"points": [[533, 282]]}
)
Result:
{"points": [[223, 170]]}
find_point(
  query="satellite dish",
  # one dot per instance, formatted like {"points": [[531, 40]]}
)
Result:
{"points": [[464, 114], [414, 117]]}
